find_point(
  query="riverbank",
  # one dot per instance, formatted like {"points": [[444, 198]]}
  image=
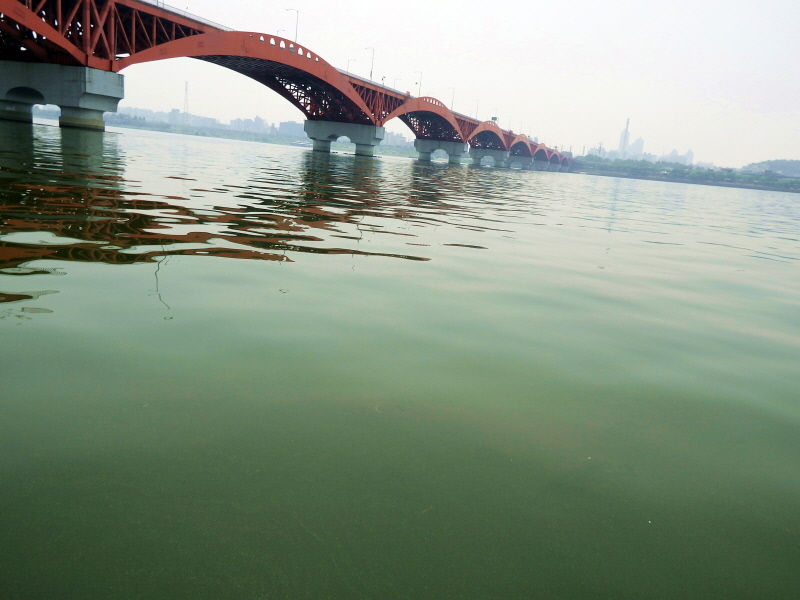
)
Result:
{"points": [[727, 184], [680, 173]]}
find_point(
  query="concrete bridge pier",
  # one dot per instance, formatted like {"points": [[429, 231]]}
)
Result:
{"points": [[500, 156], [16, 111], [365, 137], [455, 150], [83, 94]]}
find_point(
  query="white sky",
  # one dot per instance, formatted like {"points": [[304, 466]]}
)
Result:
{"points": [[719, 78]]}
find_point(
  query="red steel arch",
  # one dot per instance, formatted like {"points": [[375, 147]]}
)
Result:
{"points": [[542, 152], [491, 136], [428, 118], [521, 146], [309, 82], [89, 33]]}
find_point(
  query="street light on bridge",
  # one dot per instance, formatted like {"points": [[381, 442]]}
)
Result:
{"points": [[349, 60], [372, 63], [419, 86], [452, 99], [296, 21]]}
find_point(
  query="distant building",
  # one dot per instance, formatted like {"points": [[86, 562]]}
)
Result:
{"points": [[291, 129], [623, 140], [395, 139], [257, 125], [636, 149], [198, 121], [674, 157]]}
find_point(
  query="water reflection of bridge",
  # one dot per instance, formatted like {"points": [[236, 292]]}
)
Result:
{"points": [[66, 198]]}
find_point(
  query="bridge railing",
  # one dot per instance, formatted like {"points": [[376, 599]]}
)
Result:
{"points": [[370, 82], [398, 92], [182, 13]]}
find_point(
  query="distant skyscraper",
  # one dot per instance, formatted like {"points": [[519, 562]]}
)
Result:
{"points": [[636, 149], [623, 140]]}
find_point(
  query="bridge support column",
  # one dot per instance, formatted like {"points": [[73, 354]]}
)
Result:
{"points": [[365, 137], [83, 94], [455, 150], [16, 111], [500, 156]]}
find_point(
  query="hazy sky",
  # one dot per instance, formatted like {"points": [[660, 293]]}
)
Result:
{"points": [[719, 78]]}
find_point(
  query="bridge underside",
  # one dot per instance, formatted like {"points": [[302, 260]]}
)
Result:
{"points": [[317, 99], [430, 126], [487, 140]]}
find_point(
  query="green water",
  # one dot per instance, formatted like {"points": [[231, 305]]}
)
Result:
{"points": [[232, 370]]}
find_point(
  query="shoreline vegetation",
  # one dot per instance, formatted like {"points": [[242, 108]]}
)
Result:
{"points": [[763, 179], [752, 178]]}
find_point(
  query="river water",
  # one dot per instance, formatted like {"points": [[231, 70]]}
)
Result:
{"points": [[236, 370]]}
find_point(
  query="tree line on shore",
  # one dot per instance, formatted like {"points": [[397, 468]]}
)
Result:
{"points": [[752, 177]]}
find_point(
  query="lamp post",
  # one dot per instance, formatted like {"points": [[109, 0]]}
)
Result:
{"points": [[349, 60], [296, 21], [477, 104], [372, 62], [452, 98], [419, 86], [279, 32]]}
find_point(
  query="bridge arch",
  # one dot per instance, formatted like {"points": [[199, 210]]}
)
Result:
{"points": [[25, 95], [520, 146], [542, 152], [487, 135], [306, 80], [428, 118]]}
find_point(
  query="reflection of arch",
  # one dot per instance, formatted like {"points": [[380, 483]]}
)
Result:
{"points": [[315, 87], [428, 118], [25, 95], [487, 135]]}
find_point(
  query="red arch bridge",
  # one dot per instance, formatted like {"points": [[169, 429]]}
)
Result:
{"points": [[70, 53]]}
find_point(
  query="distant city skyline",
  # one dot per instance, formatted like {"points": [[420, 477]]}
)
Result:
{"points": [[635, 150]]}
